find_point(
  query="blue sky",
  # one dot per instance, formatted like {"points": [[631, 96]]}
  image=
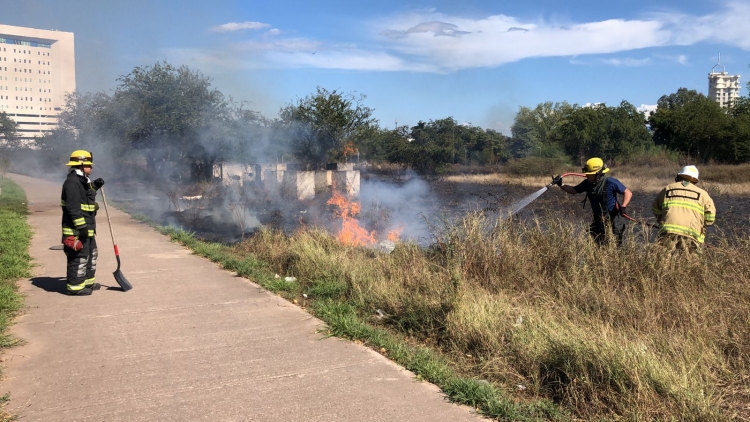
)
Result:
{"points": [[476, 61]]}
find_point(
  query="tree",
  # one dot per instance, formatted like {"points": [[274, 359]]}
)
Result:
{"points": [[598, 130], [692, 123], [8, 131], [532, 127], [8, 141], [173, 114], [738, 149], [434, 146], [322, 124]]}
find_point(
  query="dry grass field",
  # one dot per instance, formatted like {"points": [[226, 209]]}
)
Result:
{"points": [[542, 313], [716, 179], [526, 318]]}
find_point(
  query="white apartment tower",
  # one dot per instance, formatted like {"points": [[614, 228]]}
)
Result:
{"points": [[723, 87], [37, 69]]}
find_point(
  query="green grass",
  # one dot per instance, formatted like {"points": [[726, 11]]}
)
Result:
{"points": [[15, 236], [15, 263]]}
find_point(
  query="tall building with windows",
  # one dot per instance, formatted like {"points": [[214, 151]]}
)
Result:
{"points": [[723, 87], [37, 70]]}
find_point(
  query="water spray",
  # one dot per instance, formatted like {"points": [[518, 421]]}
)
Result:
{"points": [[519, 205]]}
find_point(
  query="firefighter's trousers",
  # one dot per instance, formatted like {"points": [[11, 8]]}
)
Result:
{"points": [[605, 226], [82, 265]]}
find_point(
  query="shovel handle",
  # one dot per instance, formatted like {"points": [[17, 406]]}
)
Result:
{"points": [[109, 222]]}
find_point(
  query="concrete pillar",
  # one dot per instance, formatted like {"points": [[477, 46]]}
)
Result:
{"points": [[347, 182]]}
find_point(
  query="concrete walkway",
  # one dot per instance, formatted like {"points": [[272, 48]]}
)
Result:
{"points": [[189, 342]]}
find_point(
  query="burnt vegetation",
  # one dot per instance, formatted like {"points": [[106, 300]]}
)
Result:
{"points": [[524, 319]]}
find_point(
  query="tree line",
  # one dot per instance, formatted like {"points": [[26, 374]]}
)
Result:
{"points": [[174, 123]]}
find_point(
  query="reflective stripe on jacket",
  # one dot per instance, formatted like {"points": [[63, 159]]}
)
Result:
{"points": [[78, 202], [684, 209]]}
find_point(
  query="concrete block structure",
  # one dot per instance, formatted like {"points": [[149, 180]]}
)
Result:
{"points": [[323, 181], [347, 182], [277, 180], [299, 185], [234, 173], [340, 166], [277, 170], [37, 70]]}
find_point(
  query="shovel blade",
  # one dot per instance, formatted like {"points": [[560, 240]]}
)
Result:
{"points": [[122, 281]]}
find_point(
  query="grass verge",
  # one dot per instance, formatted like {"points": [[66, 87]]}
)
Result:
{"points": [[529, 320], [326, 299], [15, 262]]}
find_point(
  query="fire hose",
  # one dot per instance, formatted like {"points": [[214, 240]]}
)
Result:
{"points": [[626, 216], [567, 174]]}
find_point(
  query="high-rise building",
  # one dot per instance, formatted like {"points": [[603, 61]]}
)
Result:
{"points": [[37, 70], [723, 87]]}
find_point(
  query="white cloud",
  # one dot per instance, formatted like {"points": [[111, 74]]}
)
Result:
{"points": [[496, 40], [293, 53], [627, 62], [679, 58], [725, 26], [427, 41], [239, 26], [646, 109]]}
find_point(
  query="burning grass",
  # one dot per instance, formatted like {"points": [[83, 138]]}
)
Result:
{"points": [[544, 315]]}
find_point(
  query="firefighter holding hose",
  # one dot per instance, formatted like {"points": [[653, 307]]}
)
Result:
{"points": [[601, 191]]}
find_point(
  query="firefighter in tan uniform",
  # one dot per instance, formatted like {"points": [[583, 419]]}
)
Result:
{"points": [[683, 211]]}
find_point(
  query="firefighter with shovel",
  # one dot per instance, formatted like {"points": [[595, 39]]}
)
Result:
{"points": [[79, 208], [601, 191]]}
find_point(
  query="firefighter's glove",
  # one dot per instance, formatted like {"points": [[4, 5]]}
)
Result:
{"points": [[72, 242], [557, 180], [98, 183], [623, 210]]}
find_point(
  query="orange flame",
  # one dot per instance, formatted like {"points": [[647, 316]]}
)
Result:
{"points": [[351, 232], [395, 234], [349, 149]]}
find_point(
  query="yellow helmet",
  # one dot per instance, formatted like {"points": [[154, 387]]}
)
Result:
{"points": [[594, 166], [81, 157]]}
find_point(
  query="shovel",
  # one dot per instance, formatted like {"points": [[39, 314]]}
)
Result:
{"points": [[119, 276]]}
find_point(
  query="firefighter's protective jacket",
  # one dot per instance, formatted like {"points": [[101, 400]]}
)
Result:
{"points": [[684, 209], [78, 203]]}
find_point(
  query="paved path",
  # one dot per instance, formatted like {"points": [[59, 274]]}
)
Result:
{"points": [[189, 342]]}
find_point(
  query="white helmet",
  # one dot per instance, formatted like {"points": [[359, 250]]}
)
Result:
{"points": [[689, 173]]}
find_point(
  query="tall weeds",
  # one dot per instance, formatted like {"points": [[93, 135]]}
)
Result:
{"points": [[540, 311]]}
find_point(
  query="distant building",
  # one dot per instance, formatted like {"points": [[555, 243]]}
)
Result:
{"points": [[37, 69], [723, 87]]}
